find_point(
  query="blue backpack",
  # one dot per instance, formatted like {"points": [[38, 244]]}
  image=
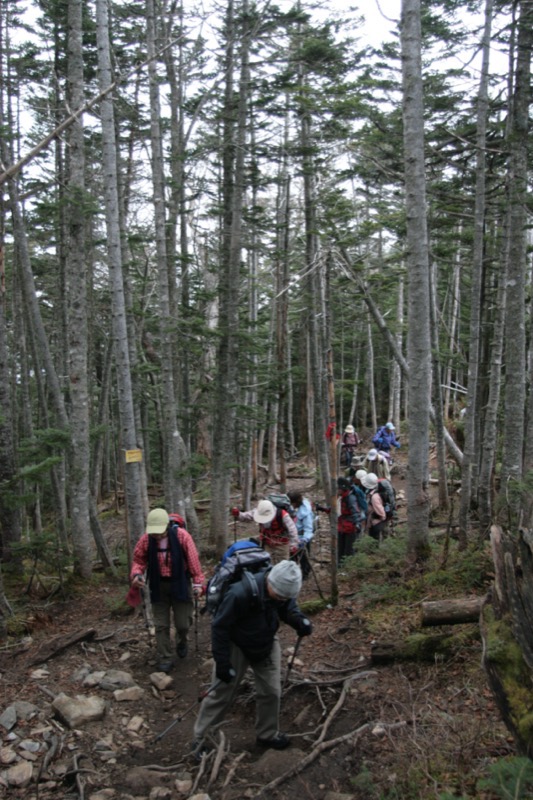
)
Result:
{"points": [[241, 560]]}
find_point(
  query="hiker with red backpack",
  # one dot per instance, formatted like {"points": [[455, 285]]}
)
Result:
{"points": [[349, 521], [168, 555], [277, 531]]}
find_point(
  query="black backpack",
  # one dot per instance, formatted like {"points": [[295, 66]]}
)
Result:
{"points": [[241, 560], [388, 497]]}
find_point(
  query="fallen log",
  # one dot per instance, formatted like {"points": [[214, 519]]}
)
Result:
{"points": [[59, 644], [418, 647], [451, 612]]}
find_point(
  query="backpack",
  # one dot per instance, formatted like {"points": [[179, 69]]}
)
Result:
{"points": [[282, 503], [388, 497], [377, 439], [178, 520], [240, 560]]}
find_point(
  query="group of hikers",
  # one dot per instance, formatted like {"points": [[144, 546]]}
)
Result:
{"points": [[247, 605]]}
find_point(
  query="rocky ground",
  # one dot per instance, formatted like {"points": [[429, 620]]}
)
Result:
{"points": [[82, 707]]}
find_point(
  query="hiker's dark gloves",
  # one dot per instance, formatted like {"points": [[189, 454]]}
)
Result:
{"points": [[235, 512], [304, 627], [225, 672]]}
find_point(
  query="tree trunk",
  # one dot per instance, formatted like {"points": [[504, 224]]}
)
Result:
{"points": [[471, 427], [437, 390], [234, 148], [418, 336], [515, 333], [132, 470], [77, 312]]}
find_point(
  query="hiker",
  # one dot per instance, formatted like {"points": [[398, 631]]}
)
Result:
{"points": [[377, 463], [349, 520], [349, 442], [244, 634], [385, 438], [358, 488], [377, 517], [305, 525], [168, 555], [277, 531]]}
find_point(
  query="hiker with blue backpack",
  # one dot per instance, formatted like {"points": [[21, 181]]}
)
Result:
{"points": [[168, 555], [244, 634], [277, 530]]}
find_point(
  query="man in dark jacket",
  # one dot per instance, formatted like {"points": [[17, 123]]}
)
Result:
{"points": [[349, 520], [244, 634]]}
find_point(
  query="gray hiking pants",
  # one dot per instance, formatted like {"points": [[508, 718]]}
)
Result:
{"points": [[182, 614], [267, 677]]}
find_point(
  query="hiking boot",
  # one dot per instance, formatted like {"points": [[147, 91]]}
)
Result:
{"points": [[199, 749], [182, 649], [165, 666], [279, 742]]}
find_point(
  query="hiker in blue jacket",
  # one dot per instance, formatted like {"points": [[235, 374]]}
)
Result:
{"points": [[385, 438], [305, 525], [244, 634]]}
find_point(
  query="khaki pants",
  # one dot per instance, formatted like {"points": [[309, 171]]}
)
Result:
{"points": [[278, 552], [267, 678], [182, 617]]}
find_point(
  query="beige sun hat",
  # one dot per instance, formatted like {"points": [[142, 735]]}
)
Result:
{"points": [[265, 512], [157, 521], [370, 480]]}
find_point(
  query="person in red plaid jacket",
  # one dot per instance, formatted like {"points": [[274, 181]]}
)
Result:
{"points": [[168, 555]]}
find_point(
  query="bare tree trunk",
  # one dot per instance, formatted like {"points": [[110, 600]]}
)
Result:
{"points": [[471, 447], [515, 333], [132, 470], [370, 377], [453, 325], [395, 372], [10, 515], [418, 336], [177, 494], [234, 148], [76, 272], [437, 392]]}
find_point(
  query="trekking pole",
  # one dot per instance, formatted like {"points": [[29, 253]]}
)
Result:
{"points": [[315, 577], [187, 710], [196, 623], [291, 662]]}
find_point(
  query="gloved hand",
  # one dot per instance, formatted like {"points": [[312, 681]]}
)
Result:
{"points": [[235, 512], [304, 627], [225, 672], [198, 590], [398, 445]]}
